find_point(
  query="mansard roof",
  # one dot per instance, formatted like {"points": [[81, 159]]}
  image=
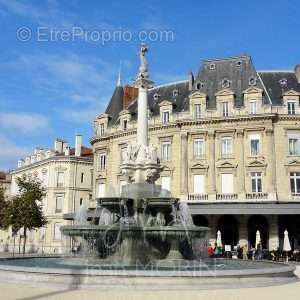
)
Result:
{"points": [[278, 83], [115, 104], [236, 74], [176, 93]]}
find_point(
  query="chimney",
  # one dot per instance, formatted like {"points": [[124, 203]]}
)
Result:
{"points": [[78, 143], [65, 146], [191, 81], [130, 94], [58, 145], [297, 72], [67, 151]]}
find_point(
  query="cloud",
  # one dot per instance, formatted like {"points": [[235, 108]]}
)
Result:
{"points": [[23, 122], [49, 14], [80, 116], [10, 153]]}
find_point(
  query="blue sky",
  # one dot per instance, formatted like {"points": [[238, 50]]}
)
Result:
{"points": [[54, 86]]}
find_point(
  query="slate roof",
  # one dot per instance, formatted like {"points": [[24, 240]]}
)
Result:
{"points": [[272, 81], [237, 70], [179, 99], [212, 77], [115, 105]]}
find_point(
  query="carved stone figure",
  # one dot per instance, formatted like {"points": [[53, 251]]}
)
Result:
{"points": [[143, 70]]}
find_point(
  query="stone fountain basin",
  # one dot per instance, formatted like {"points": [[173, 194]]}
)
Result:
{"points": [[132, 230], [58, 272]]}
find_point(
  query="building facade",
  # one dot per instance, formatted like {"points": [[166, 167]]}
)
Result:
{"points": [[66, 174], [229, 144], [5, 182]]}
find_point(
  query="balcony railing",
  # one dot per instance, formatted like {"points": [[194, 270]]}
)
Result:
{"points": [[256, 196], [226, 197], [295, 196], [197, 197]]}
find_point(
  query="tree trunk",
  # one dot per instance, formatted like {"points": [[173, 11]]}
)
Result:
{"points": [[25, 239], [20, 238]]}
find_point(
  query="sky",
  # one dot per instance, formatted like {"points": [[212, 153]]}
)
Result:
{"points": [[60, 59]]}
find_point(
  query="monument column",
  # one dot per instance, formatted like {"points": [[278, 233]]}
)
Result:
{"points": [[211, 168], [142, 123], [184, 164]]}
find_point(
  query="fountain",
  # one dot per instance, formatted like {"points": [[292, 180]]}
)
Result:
{"points": [[145, 223], [142, 239]]}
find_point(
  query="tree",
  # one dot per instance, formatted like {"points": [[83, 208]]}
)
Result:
{"points": [[25, 210]]}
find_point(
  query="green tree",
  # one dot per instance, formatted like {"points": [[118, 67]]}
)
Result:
{"points": [[25, 210]]}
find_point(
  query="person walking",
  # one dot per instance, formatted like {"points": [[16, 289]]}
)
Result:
{"points": [[245, 252]]}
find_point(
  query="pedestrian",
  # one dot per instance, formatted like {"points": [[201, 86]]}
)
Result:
{"points": [[245, 252], [210, 251]]}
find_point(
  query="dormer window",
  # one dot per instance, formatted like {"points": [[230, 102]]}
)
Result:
{"points": [[156, 96], [252, 81], [175, 93], [252, 107], [125, 123], [197, 111], [165, 117], [101, 129], [225, 83], [238, 64], [212, 66], [291, 105], [199, 85], [225, 109], [283, 82]]}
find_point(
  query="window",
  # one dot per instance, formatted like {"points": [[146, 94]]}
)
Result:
{"points": [[101, 189], [227, 183], [80, 201], [101, 129], [256, 183], [198, 184], [165, 183], [198, 148], [254, 145], [225, 107], [102, 161], [82, 178], [166, 151], [175, 93], [226, 146], [60, 179], [294, 145], [59, 203], [253, 107], [125, 124], [57, 232], [165, 117], [295, 182], [291, 107], [197, 111]]}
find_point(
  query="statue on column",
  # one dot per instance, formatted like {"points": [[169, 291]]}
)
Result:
{"points": [[143, 70]]}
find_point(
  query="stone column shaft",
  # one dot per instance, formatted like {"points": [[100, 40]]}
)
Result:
{"points": [[142, 124]]}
